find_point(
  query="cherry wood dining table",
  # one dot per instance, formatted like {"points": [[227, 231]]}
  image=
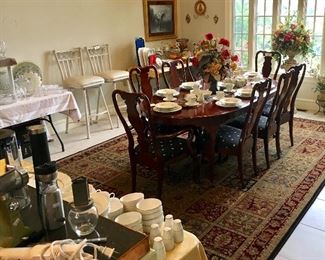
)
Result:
{"points": [[207, 116]]}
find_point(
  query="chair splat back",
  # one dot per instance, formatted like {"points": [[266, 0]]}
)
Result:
{"points": [[141, 81], [99, 57], [177, 73], [138, 114], [267, 57], [70, 62], [262, 91]]}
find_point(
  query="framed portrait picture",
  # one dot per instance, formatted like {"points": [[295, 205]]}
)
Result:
{"points": [[159, 19]]}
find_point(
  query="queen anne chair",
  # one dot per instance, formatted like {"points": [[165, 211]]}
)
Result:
{"points": [[287, 104], [101, 65], [235, 141], [141, 81], [268, 59], [71, 67], [146, 146], [175, 71]]}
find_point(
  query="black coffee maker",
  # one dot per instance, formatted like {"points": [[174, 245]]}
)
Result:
{"points": [[14, 197]]}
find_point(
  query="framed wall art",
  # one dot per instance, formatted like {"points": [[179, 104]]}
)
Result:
{"points": [[160, 18]]}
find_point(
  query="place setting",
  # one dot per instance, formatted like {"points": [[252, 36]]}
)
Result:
{"points": [[167, 107], [229, 102]]}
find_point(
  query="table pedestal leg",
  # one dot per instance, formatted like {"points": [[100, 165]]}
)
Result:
{"points": [[209, 150]]}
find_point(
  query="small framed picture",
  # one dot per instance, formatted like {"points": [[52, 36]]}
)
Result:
{"points": [[160, 19]]}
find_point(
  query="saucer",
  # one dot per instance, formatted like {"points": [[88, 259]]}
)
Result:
{"points": [[192, 104]]}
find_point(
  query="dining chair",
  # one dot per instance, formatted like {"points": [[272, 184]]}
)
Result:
{"points": [[173, 73], [268, 60], [192, 72], [141, 81], [147, 147], [235, 141], [267, 125], [72, 71], [101, 65], [287, 104]]}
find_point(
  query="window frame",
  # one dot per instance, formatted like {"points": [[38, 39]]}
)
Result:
{"points": [[302, 4]]}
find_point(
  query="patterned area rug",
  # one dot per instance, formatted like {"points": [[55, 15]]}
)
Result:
{"points": [[232, 223]]}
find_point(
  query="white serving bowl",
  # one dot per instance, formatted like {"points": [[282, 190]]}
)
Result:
{"points": [[153, 221], [116, 208], [129, 218], [230, 101], [149, 206], [130, 200]]}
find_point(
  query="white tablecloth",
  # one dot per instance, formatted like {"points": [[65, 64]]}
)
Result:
{"points": [[35, 107], [190, 249]]}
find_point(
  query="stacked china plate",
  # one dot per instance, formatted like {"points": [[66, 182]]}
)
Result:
{"points": [[130, 201], [152, 212], [167, 107], [166, 91], [132, 220], [229, 102]]}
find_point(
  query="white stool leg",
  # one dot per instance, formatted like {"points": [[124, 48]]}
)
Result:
{"points": [[97, 109], [86, 112], [106, 107], [89, 110]]}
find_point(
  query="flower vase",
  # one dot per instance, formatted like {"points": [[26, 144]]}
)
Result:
{"points": [[290, 61], [213, 85]]}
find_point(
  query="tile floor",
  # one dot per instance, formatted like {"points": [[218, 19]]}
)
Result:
{"points": [[307, 242]]}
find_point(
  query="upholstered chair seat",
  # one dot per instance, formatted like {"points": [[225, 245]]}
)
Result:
{"points": [[228, 137], [82, 81], [113, 75]]}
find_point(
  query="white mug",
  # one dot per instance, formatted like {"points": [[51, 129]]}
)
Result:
{"points": [[154, 232], [169, 220], [220, 94], [178, 231]]}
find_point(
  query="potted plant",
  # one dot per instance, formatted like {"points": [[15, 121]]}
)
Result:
{"points": [[320, 87]]}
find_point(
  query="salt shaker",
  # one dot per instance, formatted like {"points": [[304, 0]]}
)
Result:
{"points": [[154, 232], [178, 231], [168, 238], [158, 246], [169, 221]]}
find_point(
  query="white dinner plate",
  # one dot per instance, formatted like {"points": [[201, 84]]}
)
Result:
{"points": [[165, 91], [178, 108], [166, 106]]}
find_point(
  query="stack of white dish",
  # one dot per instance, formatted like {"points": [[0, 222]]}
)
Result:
{"points": [[229, 102], [132, 220], [130, 201], [152, 212], [167, 107], [116, 208]]}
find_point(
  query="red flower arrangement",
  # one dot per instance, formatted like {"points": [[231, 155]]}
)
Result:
{"points": [[213, 57]]}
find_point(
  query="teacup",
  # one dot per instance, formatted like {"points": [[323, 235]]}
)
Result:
{"points": [[169, 97], [229, 86], [191, 99], [220, 95]]}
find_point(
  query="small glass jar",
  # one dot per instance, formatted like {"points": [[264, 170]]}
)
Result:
{"points": [[83, 219]]}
